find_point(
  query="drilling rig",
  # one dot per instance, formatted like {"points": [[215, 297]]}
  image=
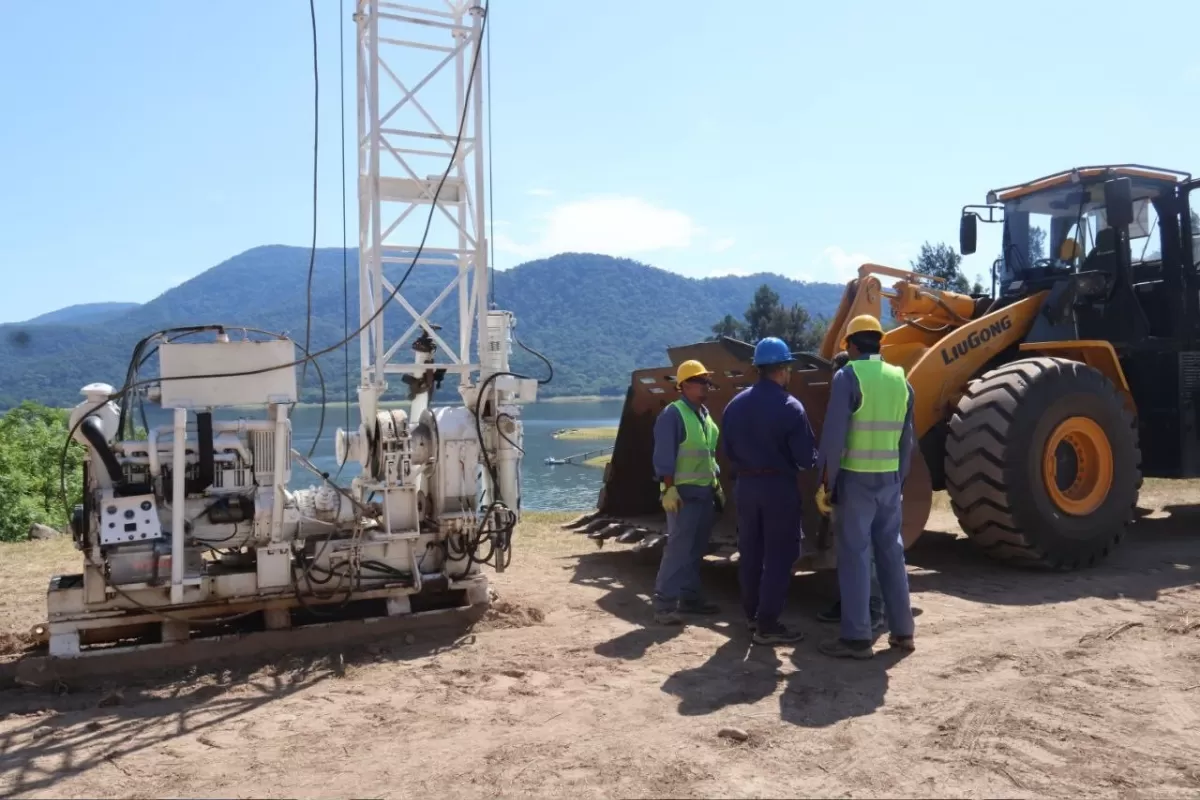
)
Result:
{"points": [[190, 529]]}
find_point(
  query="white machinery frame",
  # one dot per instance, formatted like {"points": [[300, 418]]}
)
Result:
{"points": [[391, 186]]}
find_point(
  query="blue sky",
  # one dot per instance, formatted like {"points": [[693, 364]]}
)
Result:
{"points": [[145, 142]]}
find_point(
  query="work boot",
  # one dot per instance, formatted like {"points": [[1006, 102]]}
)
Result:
{"points": [[844, 648], [902, 642], [833, 614], [777, 633], [702, 607], [667, 617]]}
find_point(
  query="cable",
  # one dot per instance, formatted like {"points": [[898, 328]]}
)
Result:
{"points": [[491, 249], [391, 296], [345, 255], [535, 353], [312, 253]]}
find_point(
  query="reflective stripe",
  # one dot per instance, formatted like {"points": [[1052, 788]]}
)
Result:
{"points": [[873, 439], [876, 426], [872, 455], [696, 459]]}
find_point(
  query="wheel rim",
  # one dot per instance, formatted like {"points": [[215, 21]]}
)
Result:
{"points": [[1077, 466]]}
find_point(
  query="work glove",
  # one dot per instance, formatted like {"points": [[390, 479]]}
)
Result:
{"points": [[718, 498], [823, 504], [671, 501]]}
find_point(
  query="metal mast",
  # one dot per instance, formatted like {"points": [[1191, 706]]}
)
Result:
{"points": [[416, 61]]}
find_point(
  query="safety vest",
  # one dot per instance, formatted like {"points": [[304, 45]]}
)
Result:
{"points": [[696, 461], [873, 441]]}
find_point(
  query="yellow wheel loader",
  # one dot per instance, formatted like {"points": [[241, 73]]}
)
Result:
{"points": [[1038, 406]]}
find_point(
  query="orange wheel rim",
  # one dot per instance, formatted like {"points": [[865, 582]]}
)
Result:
{"points": [[1077, 466]]}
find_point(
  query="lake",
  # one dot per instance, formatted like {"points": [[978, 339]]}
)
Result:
{"points": [[564, 487]]}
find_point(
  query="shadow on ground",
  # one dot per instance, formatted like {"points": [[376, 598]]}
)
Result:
{"points": [[817, 690], [85, 729], [1162, 552]]}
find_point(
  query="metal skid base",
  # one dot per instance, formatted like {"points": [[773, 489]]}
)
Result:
{"points": [[83, 644]]}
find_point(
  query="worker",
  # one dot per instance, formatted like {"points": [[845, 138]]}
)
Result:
{"points": [[685, 461], [866, 449], [833, 613], [768, 441]]}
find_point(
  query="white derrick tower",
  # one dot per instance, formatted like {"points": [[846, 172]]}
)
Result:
{"points": [[415, 63], [421, 190]]}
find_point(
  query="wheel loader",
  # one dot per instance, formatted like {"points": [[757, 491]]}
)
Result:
{"points": [[1038, 406]]}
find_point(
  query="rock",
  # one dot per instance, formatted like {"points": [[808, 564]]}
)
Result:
{"points": [[409, 638], [93, 726], [43, 532], [44, 732], [114, 697], [736, 734], [514, 673]]}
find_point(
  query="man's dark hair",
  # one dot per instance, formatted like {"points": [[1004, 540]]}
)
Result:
{"points": [[772, 370], [840, 360], [867, 342]]}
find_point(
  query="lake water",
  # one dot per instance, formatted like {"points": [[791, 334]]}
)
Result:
{"points": [[544, 488]]}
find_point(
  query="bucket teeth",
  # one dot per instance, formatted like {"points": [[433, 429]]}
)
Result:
{"points": [[651, 541], [632, 536], [595, 525], [580, 521], [608, 531]]}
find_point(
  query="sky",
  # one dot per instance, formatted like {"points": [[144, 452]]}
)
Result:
{"points": [[143, 143]]}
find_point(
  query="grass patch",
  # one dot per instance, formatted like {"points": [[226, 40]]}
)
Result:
{"points": [[603, 434], [25, 572], [598, 462]]}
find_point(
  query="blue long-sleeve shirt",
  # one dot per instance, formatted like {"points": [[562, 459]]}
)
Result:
{"points": [[669, 434], [767, 430], [845, 397]]}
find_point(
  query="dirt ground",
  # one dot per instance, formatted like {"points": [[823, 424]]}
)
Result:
{"points": [[1023, 685]]}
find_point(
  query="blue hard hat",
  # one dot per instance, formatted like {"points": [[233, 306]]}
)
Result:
{"points": [[771, 351]]}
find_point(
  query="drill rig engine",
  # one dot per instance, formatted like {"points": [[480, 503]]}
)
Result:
{"points": [[197, 520]]}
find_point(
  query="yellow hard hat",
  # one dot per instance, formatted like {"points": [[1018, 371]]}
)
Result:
{"points": [[688, 370], [863, 323]]}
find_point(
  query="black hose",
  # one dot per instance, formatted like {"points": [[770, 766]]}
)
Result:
{"points": [[94, 433]]}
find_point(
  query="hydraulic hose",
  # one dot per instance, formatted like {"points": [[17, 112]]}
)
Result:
{"points": [[94, 433]]}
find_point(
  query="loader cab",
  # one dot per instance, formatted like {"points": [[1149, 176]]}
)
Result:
{"points": [[1131, 271], [1118, 251]]}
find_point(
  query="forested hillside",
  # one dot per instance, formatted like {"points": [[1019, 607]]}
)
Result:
{"points": [[597, 318]]}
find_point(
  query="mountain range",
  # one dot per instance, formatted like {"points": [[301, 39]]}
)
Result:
{"points": [[595, 317]]}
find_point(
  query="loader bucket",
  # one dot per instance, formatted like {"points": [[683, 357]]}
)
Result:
{"points": [[628, 505]]}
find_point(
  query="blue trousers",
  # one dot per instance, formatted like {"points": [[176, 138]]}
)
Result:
{"points": [[867, 520], [769, 533], [688, 533]]}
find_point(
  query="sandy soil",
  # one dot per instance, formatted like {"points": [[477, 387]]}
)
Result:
{"points": [[1023, 685]]}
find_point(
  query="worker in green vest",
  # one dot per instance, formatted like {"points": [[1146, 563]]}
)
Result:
{"points": [[685, 462], [867, 444]]}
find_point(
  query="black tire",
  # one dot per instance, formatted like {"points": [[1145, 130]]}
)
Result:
{"points": [[994, 474]]}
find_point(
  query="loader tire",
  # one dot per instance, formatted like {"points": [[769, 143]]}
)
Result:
{"points": [[1042, 463]]}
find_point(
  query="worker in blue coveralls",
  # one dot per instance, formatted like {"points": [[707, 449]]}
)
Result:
{"points": [[866, 449], [685, 461], [768, 441]]}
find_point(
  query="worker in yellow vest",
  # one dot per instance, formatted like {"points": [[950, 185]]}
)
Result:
{"points": [[866, 448], [685, 462]]}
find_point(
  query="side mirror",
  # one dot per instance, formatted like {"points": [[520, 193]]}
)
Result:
{"points": [[1118, 202], [967, 229]]}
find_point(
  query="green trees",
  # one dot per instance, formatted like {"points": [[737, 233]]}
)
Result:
{"points": [[768, 316], [942, 261], [31, 446]]}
